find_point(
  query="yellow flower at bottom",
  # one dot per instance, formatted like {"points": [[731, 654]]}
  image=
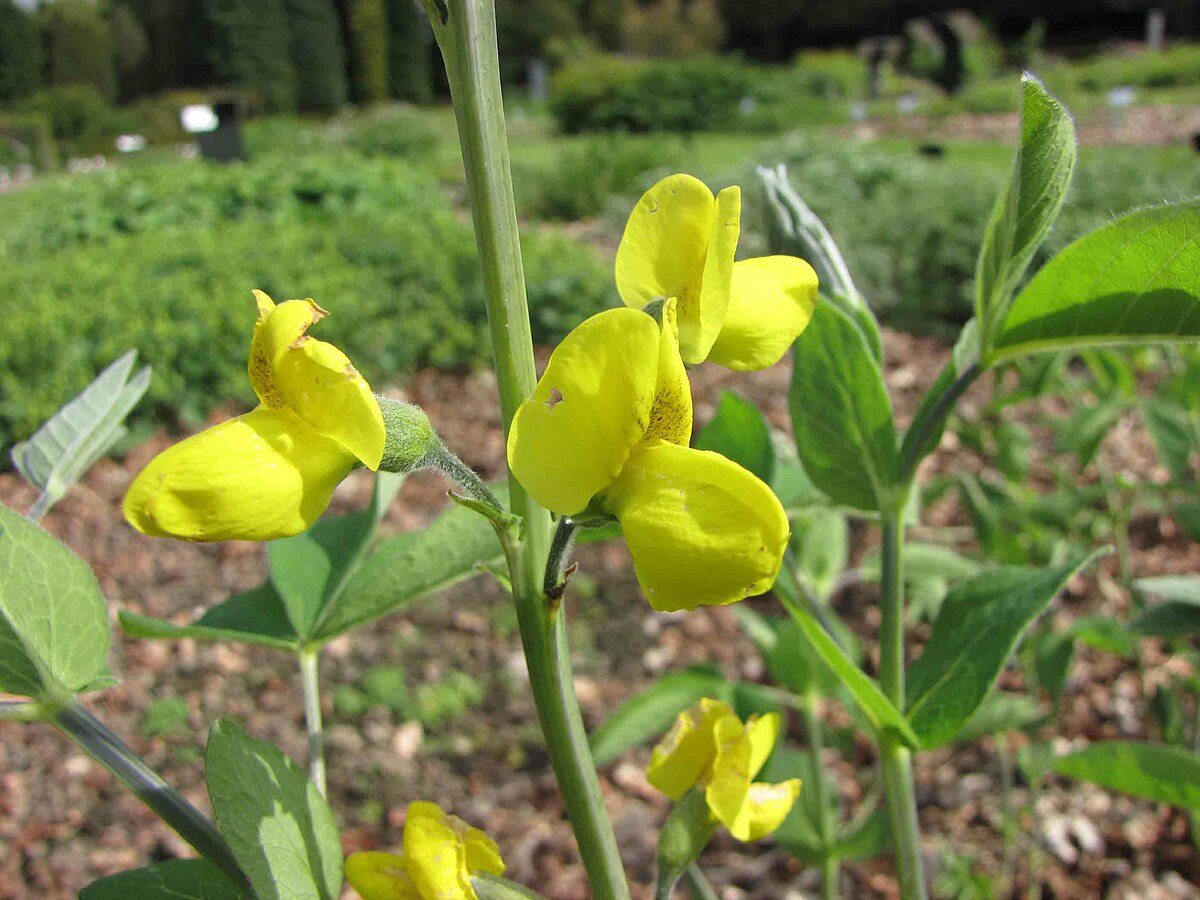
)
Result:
{"points": [[709, 747], [441, 853], [270, 473]]}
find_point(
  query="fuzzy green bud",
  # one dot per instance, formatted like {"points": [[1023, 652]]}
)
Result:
{"points": [[411, 442]]}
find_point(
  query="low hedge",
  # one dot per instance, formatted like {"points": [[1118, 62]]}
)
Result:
{"points": [[165, 264]]}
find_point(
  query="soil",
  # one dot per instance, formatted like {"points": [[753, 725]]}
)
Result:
{"points": [[64, 821]]}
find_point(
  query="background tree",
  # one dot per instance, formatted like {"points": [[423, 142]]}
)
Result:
{"points": [[248, 49], [410, 52], [318, 56], [367, 23], [21, 57], [131, 47], [80, 45]]}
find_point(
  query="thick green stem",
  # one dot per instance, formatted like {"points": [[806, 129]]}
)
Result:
{"points": [[95, 738], [466, 33], [895, 757], [309, 659]]}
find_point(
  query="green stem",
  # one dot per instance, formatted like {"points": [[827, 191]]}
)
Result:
{"points": [[464, 476], [95, 738], [827, 817], [466, 33], [698, 884], [895, 757], [309, 660]]}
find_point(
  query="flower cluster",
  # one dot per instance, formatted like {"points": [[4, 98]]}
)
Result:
{"points": [[607, 429], [441, 853], [710, 748], [269, 473]]}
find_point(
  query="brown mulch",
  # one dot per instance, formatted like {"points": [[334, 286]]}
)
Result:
{"points": [[1138, 126], [64, 821]]}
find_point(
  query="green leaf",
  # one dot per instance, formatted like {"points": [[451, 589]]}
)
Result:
{"points": [[1029, 204], [175, 879], [279, 826], [1103, 633], [1137, 279], [1154, 771], [71, 440], [1188, 517], [492, 887], [800, 832], [879, 711], [410, 565], [867, 839], [255, 616], [648, 715], [1088, 427], [684, 835], [975, 632], [821, 543], [310, 569], [1178, 612], [54, 633], [1171, 430], [841, 413], [739, 432], [999, 713], [783, 648]]}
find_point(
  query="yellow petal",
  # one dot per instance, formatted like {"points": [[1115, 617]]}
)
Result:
{"points": [[730, 782], [589, 410], [664, 247], [762, 731], [261, 476], [435, 854], [701, 529], [671, 412], [483, 854], [380, 876], [696, 340], [686, 752], [313, 378], [772, 300], [764, 809]]}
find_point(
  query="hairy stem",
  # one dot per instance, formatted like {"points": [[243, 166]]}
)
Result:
{"points": [[896, 758], [309, 659], [466, 33], [100, 743]]}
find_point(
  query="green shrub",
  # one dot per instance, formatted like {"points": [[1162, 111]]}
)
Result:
{"points": [[1177, 66], [910, 226], [80, 119], [830, 74], [163, 259], [80, 46], [396, 131], [27, 138], [602, 94], [580, 179]]}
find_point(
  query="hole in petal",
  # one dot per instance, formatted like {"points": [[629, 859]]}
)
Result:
{"points": [[556, 398]]}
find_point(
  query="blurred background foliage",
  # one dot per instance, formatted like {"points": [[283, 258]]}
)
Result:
{"points": [[353, 193]]}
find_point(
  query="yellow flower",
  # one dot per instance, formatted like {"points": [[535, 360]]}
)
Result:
{"points": [[680, 242], [269, 473], [441, 853], [710, 748], [607, 430]]}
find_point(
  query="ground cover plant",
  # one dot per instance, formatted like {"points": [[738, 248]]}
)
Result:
{"points": [[601, 441]]}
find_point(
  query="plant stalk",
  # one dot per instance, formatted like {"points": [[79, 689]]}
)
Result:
{"points": [[466, 32], [699, 885], [826, 820], [309, 660], [100, 743], [895, 757]]}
